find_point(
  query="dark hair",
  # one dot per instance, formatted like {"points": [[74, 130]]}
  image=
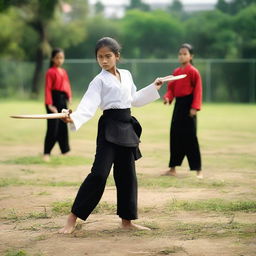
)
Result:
{"points": [[54, 53], [190, 49], [109, 42]]}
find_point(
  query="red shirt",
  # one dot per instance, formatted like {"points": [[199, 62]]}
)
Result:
{"points": [[191, 84], [56, 79]]}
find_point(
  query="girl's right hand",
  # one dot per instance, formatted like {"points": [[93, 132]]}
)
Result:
{"points": [[192, 112], [67, 119], [53, 109], [167, 101]]}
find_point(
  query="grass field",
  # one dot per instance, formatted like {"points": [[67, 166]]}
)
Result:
{"points": [[216, 215]]}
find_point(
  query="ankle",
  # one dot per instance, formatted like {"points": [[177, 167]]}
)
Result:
{"points": [[72, 218], [199, 174], [126, 222], [46, 157]]}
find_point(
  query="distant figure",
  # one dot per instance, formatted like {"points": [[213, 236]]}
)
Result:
{"points": [[57, 96], [112, 90], [188, 100]]}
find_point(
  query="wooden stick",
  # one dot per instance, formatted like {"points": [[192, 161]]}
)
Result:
{"points": [[172, 78], [43, 116]]}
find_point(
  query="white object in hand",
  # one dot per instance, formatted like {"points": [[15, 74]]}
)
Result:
{"points": [[172, 78]]}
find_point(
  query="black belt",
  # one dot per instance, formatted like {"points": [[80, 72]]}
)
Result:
{"points": [[122, 129]]}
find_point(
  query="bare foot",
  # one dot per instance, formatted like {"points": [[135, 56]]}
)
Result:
{"points": [[170, 172], [199, 175], [127, 224], [70, 225], [46, 157]]}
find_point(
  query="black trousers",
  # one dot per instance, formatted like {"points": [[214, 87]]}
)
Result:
{"points": [[109, 154], [183, 138], [57, 130], [91, 190]]}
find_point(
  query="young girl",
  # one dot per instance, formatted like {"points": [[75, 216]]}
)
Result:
{"points": [[188, 95], [114, 92], [57, 94]]}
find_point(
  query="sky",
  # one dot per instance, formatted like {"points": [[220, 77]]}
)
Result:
{"points": [[113, 2]]}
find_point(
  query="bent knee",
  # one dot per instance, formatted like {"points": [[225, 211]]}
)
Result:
{"points": [[100, 177]]}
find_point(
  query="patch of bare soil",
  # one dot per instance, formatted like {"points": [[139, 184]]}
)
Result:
{"points": [[29, 224]]}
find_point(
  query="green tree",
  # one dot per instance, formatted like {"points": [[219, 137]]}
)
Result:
{"points": [[176, 6], [246, 32], [176, 9], [11, 33], [5, 4], [151, 34], [223, 6], [99, 8], [235, 6], [212, 34], [68, 29], [138, 4], [97, 26], [38, 15]]}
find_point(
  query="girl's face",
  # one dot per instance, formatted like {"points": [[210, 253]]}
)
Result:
{"points": [[184, 56], [107, 59], [58, 59]]}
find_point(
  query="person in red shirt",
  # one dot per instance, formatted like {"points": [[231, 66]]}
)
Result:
{"points": [[57, 95], [188, 100]]}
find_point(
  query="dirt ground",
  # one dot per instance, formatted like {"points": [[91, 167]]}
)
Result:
{"points": [[29, 224]]}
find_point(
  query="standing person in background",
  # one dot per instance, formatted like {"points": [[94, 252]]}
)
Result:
{"points": [[57, 96], [112, 90], [188, 100]]}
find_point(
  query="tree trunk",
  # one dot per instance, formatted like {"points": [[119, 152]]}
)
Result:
{"points": [[37, 73], [41, 52]]}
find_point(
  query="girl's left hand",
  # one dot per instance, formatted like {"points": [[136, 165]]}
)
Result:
{"points": [[158, 83], [192, 112]]}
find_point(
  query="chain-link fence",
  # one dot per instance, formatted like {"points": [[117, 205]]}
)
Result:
{"points": [[223, 80]]}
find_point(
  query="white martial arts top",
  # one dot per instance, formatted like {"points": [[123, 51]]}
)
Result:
{"points": [[107, 92]]}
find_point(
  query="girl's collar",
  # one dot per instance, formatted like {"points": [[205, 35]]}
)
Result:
{"points": [[107, 72], [112, 75], [187, 65]]}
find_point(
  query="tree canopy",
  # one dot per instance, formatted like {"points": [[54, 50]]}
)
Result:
{"points": [[27, 25], [31, 28], [46, 22]]}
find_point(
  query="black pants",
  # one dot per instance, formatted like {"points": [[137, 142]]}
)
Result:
{"points": [[57, 130], [91, 190], [109, 154], [183, 138]]}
